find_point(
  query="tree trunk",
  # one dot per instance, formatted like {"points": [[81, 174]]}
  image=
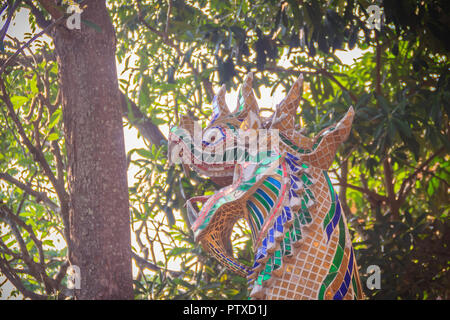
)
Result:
{"points": [[100, 241]]}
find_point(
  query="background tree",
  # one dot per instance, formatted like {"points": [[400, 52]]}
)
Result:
{"points": [[89, 177], [393, 172]]}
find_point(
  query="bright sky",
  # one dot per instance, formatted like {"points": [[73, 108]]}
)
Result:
{"points": [[20, 26]]}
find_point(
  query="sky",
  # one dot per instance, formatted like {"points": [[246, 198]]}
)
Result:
{"points": [[19, 27]]}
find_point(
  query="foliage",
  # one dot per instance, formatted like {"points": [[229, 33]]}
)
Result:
{"points": [[393, 172]]}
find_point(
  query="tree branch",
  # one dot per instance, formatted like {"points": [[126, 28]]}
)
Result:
{"points": [[378, 66], [15, 280], [36, 269], [389, 185], [4, 248], [169, 11], [11, 58], [15, 221], [167, 41], [370, 193], [51, 7], [332, 78], [37, 153], [402, 193], [40, 19], [40, 196], [11, 10], [148, 265], [144, 125], [40, 157]]}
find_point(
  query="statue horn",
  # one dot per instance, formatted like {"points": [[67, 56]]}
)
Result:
{"points": [[221, 102], [187, 123], [246, 100], [284, 117], [330, 139]]}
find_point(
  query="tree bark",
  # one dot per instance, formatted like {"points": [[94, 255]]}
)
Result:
{"points": [[99, 220]]}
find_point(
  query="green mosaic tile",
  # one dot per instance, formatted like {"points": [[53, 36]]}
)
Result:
{"points": [[304, 216], [269, 160], [303, 206], [259, 280], [254, 217], [245, 186], [310, 194], [329, 215], [260, 170], [296, 232], [306, 179], [277, 260], [333, 268], [287, 245], [233, 128], [271, 187], [301, 218], [330, 186], [269, 266], [262, 201], [329, 278], [355, 287], [339, 253], [290, 144], [322, 292], [307, 216], [267, 276]]}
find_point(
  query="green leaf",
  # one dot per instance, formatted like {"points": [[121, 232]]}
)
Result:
{"points": [[158, 122], [403, 127], [53, 136], [18, 101], [409, 219], [33, 85], [144, 93], [92, 25], [144, 153], [48, 243], [384, 103], [363, 100], [55, 118], [178, 251], [169, 214], [347, 97], [391, 131]]}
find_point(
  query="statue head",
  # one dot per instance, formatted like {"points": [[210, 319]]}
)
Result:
{"points": [[239, 149]]}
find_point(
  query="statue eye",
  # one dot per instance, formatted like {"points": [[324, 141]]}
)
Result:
{"points": [[213, 136]]}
